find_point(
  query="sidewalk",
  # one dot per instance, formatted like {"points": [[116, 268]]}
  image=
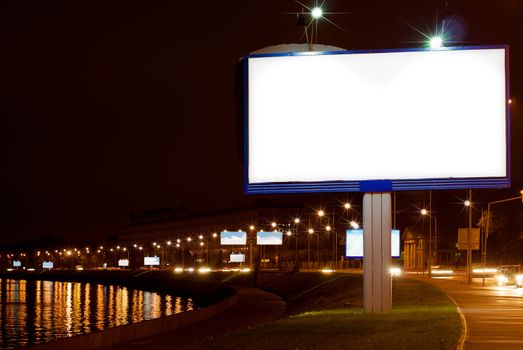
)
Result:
{"points": [[253, 308], [494, 315]]}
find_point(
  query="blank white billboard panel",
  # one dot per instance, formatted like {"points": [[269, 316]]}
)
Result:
{"points": [[269, 238], [233, 238], [238, 258], [151, 261], [395, 116]]}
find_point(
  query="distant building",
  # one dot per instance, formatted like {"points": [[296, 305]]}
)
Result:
{"points": [[413, 250]]}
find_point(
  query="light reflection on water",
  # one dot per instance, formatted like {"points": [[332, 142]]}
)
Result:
{"points": [[33, 312]]}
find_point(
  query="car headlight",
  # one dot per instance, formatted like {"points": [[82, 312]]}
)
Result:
{"points": [[501, 279], [395, 271]]}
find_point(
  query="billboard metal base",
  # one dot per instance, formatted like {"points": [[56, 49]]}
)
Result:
{"points": [[377, 283]]}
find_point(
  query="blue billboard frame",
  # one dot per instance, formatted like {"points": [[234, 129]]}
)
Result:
{"points": [[384, 185]]}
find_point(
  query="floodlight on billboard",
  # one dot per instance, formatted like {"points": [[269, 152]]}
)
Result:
{"points": [[238, 258], [269, 238], [379, 121], [233, 238], [151, 261]]}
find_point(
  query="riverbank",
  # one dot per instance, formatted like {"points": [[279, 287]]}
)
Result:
{"points": [[322, 311]]}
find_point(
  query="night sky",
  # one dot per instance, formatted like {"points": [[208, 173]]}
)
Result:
{"points": [[114, 107]]}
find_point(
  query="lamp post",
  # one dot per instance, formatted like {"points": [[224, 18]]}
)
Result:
{"points": [[311, 231], [425, 212], [485, 236], [468, 204]]}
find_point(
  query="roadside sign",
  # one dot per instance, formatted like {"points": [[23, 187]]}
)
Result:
{"points": [[463, 238]]}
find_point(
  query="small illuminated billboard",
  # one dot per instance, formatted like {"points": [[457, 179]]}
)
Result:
{"points": [[125, 262], [354, 243], [17, 263], [151, 261], [47, 265], [269, 238], [237, 258], [379, 121], [233, 238], [395, 243]]}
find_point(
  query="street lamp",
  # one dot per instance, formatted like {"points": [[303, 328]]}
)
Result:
{"points": [[317, 12], [311, 231], [425, 212], [468, 204], [485, 237]]}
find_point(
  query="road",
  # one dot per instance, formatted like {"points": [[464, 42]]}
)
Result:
{"points": [[494, 314]]}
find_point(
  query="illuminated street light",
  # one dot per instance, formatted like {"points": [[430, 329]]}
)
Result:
{"points": [[316, 12], [200, 237], [467, 203], [252, 226], [321, 213], [189, 239], [347, 206], [423, 212], [354, 225], [311, 231], [201, 244], [178, 240], [169, 242], [288, 233], [273, 224], [327, 228], [214, 235], [297, 220]]}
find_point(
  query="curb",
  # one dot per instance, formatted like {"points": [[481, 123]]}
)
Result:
{"points": [[464, 328]]}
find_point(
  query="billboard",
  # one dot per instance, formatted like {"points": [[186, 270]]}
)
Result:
{"points": [[47, 265], [125, 262], [399, 120], [151, 260], [233, 238], [238, 258], [17, 263], [354, 243], [395, 243], [269, 238]]}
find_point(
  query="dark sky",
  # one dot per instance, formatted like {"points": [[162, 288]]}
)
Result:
{"points": [[113, 107]]}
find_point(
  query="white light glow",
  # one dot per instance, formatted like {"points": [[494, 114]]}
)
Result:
{"points": [[395, 271], [344, 98], [316, 12], [436, 42]]}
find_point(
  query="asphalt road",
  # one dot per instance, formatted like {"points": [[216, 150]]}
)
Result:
{"points": [[494, 314]]}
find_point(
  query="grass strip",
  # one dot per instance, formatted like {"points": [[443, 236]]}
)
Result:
{"points": [[423, 317]]}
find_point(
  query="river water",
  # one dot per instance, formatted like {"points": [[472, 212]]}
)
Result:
{"points": [[33, 312]]}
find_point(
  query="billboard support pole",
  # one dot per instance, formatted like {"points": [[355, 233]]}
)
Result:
{"points": [[377, 282]]}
